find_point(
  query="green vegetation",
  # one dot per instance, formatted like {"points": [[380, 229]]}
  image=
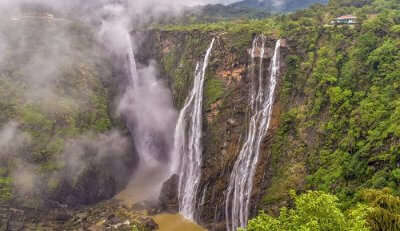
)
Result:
{"points": [[385, 212], [51, 120], [176, 64], [246, 26], [352, 100], [51, 97], [218, 12], [214, 89], [313, 211], [346, 132], [339, 131], [5, 189]]}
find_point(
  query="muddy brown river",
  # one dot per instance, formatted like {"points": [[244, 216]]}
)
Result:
{"points": [[175, 222]]}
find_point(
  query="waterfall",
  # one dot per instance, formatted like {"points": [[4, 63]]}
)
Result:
{"points": [[261, 103], [132, 61], [147, 108], [187, 144]]}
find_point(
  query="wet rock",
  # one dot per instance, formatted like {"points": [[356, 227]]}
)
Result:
{"points": [[122, 226], [62, 217], [232, 122], [115, 220], [169, 195], [219, 227], [109, 215], [102, 177], [149, 224], [3, 226], [11, 219]]}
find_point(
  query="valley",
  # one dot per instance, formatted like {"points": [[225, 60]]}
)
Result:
{"points": [[284, 122]]}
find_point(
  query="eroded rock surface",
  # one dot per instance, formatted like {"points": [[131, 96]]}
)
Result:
{"points": [[110, 215]]}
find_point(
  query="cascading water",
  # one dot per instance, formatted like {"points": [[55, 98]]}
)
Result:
{"points": [[147, 108], [187, 144], [261, 102], [145, 143], [132, 61]]}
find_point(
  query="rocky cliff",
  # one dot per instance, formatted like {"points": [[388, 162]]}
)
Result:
{"points": [[60, 137], [325, 133], [225, 113], [334, 125]]}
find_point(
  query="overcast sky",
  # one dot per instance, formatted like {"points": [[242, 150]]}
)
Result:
{"points": [[217, 1]]}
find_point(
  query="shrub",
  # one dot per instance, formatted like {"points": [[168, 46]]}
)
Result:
{"points": [[314, 211]]}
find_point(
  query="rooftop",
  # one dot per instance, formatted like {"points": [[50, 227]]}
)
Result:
{"points": [[347, 17]]}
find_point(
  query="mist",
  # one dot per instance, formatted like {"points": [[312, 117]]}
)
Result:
{"points": [[146, 103], [13, 141], [145, 106]]}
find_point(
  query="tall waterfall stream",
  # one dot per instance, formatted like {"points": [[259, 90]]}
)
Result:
{"points": [[148, 110], [188, 132], [261, 103], [187, 144]]}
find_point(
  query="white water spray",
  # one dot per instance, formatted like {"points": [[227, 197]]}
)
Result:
{"points": [[132, 61], [187, 144], [261, 102], [147, 107]]}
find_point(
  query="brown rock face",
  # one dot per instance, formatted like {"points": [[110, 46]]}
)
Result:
{"points": [[109, 215], [225, 113], [169, 195]]}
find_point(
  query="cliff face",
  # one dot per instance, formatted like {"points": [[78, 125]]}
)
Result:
{"points": [[59, 138], [334, 125], [225, 111], [334, 121]]}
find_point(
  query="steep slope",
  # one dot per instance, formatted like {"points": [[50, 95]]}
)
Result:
{"points": [[58, 138], [225, 112], [277, 6], [334, 121], [247, 9]]}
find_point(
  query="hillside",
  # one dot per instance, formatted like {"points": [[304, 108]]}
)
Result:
{"points": [[335, 117], [248, 9], [329, 159], [276, 6], [56, 99]]}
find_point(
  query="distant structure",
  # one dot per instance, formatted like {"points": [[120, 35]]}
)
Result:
{"points": [[45, 16], [345, 19]]}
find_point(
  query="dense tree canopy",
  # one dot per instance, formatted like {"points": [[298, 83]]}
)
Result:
{"points": [[314, 211]]}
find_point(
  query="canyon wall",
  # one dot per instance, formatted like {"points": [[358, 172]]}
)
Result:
{"points": [[225, 110]]}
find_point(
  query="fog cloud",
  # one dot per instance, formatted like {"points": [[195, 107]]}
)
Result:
{"points": [[12, 140], [47, 52], [146, 103]]}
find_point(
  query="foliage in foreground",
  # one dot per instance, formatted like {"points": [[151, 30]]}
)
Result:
{"points": [[385, 212], [314, 211]]}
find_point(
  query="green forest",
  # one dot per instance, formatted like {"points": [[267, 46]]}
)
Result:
{"points": [[345, 128], [331, 162]]}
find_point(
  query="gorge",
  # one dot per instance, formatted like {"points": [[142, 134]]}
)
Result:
{"points": [[113, 121]]}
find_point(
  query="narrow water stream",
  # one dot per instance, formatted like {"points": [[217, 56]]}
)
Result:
{"points": [[175, 222]]}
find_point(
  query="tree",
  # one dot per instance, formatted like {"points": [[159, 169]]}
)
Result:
{"points": [[314, 211], [385, 212]]}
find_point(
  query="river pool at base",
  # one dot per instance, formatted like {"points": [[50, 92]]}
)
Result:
{"points": [[175, 222]]}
